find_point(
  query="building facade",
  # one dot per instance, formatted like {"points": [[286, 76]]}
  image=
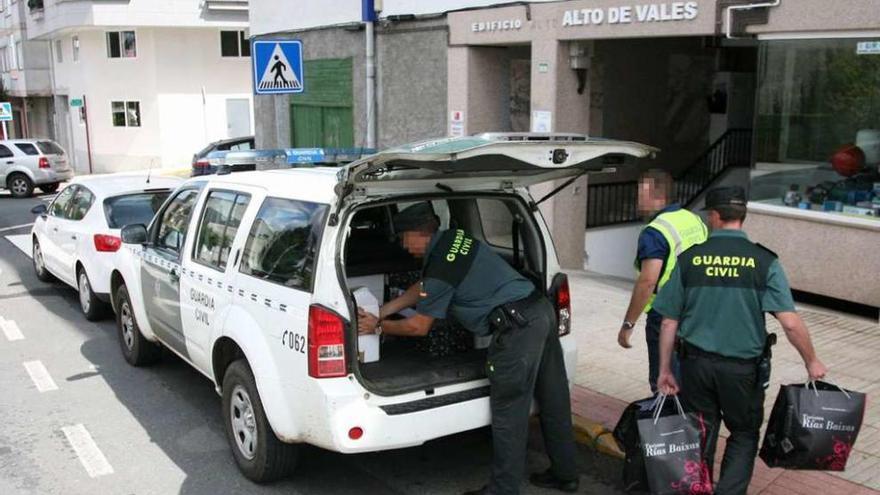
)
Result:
{"points": [[758, 94], [146, 82]]}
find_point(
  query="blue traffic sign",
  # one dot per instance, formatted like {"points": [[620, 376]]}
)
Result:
{"points": [[5, 111], [278, 66]]}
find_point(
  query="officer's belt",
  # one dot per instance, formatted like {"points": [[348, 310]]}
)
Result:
{"points": [[688, 350], [512, 314]]}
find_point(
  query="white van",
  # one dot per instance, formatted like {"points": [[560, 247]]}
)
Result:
{"points": [[249, 278]]}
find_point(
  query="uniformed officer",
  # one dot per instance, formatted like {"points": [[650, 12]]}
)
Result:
{"points": [[464, 279], [715, 301], [670, 231]]}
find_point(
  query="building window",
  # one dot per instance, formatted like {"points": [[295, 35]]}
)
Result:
{"points": [[126, 113], [817, 133], [19, 62], [234, 44], [74, 45], [121, 44], [59, 55]]}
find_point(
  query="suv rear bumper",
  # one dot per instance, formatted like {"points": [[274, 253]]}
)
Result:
{"points": [[389, 424], [49, 176]]}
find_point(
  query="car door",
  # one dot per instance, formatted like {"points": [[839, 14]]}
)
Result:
{"points": [[206, 288], [160, 269], [27, 155], [50, 242], [7, 160], [71, 235]]}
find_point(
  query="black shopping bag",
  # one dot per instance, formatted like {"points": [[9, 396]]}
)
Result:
{"points": [[626, 433], [813, 426], [672, 446]]}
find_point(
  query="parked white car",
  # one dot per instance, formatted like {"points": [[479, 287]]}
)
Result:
{"points": [[249, 278], [29, 163], [76, 238]]}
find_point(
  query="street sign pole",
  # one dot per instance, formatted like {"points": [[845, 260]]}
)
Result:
{"points": [[5, 114], [5, 136]]}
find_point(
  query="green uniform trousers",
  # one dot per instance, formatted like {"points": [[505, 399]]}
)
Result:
{"points": [[525, 361], [726, 389]]}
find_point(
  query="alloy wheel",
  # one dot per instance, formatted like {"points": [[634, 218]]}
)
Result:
{"points": [[244, 423], [85, 290], [18, 186], [127, 320]]}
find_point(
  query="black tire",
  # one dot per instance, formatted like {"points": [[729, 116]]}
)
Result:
{"points": [[93, 308], [49, 188], [270, 458], [20, 185], [136, 349], [39, 263]]}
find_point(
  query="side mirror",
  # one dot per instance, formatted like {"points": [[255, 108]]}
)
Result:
{"points": [[134, 234], [40, 209]]}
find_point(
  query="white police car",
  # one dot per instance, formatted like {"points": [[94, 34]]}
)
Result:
{"points": [[249, 278]]}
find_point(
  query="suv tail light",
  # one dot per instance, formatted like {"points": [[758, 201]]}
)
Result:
{"points": [[44, 162], [561, 298], [201, 164], [326, 344], [107, 243]]}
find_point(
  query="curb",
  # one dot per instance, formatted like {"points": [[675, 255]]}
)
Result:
{"points": [[594, 435]]}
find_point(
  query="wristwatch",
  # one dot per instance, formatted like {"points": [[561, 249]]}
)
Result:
{"points": [[378, 329], [627, 325]]}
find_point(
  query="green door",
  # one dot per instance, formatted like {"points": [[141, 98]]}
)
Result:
{"points": [[322, 116]]}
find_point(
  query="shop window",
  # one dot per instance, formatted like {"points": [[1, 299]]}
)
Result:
{"points": [[234, 44], [126, 113], [121, 44], [817, 130]]}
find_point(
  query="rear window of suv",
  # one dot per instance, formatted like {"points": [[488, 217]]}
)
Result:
{"points": [[283, 242], [50, 148], [131, 209]]}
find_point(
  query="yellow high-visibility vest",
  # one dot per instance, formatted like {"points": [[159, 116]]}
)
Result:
{"points": [[681, 229]]}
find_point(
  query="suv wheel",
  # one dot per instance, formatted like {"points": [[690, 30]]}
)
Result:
{"points": [[20, 185], [91, 306], [49, 188], [40, 264], [260, 456], [136, 349]]}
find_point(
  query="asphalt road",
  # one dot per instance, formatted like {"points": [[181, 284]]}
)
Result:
{"points": [[102, 427]]}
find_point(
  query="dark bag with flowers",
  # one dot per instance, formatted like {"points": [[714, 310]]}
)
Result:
{"points": [[813, 426], [672, 446]]}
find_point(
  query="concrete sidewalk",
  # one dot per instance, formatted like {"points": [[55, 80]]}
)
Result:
{"points": [[609, 377]]}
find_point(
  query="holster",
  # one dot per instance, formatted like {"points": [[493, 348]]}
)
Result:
{"points": [[764, 367]]}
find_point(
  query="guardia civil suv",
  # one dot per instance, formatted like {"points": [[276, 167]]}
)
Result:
{"points": [[251, 279]]}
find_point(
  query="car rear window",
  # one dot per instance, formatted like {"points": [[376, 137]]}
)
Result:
{"points": [[50, 148], [131, 209], [27, 148]]}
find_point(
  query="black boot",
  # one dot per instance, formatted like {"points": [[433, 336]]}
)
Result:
{"points": [[549, 480]]}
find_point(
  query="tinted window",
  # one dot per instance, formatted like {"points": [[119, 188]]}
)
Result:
{"points": [[175, 219], [132, 209], [220, 221], [50, 148], [283, 242], [81, 203], [5, 152], [59, 206], [27, 148], [497, 222]]}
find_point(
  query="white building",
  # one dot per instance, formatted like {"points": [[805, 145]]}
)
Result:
{"points": [[144, 82]]}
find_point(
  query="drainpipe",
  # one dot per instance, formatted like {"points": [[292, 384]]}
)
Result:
{"points": [[729, 27], [369, 18]]}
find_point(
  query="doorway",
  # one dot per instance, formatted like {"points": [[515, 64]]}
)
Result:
{"points": [[238, 117]]}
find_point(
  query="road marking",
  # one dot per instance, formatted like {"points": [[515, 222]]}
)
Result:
{"points": [[10, 328], [87, 450], [16, 227], [40, 376], [22, 242]]}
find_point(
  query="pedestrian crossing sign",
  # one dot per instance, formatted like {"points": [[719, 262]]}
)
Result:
{"points": [[278, 66]]}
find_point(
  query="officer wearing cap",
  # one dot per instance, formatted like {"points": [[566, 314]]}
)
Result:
{"points": [[715, 302], [464, 279]]}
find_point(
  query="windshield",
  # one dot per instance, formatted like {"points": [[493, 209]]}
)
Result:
{"points": [[131, 209], [50, 148]]}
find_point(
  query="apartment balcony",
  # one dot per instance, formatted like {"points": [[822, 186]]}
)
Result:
{"points": [[27, 82]]}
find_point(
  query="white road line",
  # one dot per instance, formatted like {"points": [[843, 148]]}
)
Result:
{"points": [[40, 376], [22, 242], [11, 330], [88, 452], [16, 227]]}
